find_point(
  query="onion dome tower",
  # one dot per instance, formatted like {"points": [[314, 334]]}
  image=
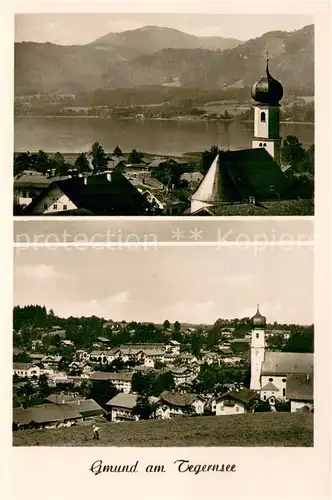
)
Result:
{"points": [[258, 323], [267, 94]]}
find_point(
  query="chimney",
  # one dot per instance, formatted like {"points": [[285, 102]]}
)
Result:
{"points": [[252, 200], [85, 180], [109, 176]]}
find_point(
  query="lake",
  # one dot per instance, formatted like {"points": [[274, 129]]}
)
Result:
{"points": [[170, 137]]}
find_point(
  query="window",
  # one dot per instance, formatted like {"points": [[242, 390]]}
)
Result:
{"points": [[264, 397], [64, 207], [284, 380], [45, 206], [284, 392], [260, 144], [237, 409], [257, 335], [55, 206], [270, 379], [264, 144], [263, 117]]}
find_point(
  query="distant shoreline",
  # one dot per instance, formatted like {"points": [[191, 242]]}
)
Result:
{"points": [[184, 119]]}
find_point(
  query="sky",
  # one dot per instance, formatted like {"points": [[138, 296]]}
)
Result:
{"points": [[71, 29], [189, 284]]}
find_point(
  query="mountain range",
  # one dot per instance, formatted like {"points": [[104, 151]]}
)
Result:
{"points": [[164, 56]]}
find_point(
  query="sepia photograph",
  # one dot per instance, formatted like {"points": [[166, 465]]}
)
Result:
{"points": [[164, 114], [165, 346]]}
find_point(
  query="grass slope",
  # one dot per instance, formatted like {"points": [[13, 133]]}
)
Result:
{"points": [[252, 429]]}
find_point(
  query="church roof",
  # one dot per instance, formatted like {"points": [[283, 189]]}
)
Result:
{"points": [[300, 387], [284, 363], [268, 208], [235, 176]]}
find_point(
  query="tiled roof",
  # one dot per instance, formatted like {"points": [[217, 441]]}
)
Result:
{"points": [[52, 359], [283, 363], [163, 196], [178, 398], [267, 208], [243, 395], [300, 387], [45, 413], [22, 366], [270, 387], [125, 376], [180, 370], [86, 406], [192, 176], [123, 400], [57, 398]]}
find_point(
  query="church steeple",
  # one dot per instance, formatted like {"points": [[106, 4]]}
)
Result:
{"points": [[258, 323], [267, 94]]}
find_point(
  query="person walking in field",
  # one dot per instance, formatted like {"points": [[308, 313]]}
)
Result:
{"points": [[96, 432]]}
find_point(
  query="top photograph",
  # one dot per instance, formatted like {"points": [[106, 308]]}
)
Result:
{"points": [[163, 114]]}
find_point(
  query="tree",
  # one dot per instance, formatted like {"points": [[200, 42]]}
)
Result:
{"points": [[82, 163], [102, 391], [144, 409], [163, 382], [292, 152], [177, 326], [308, 163], [117, 151], [196, 343], [262, 406], [22, 161], [135, 156], [99, 158], [300, 342], [166, 324], [169, 173], [22, 357]]}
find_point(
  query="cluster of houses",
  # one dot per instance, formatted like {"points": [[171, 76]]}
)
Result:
{"points": [[121, 189], [276, 377]]}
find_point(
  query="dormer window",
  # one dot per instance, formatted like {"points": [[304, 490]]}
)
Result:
{"points": [[263, 116]]}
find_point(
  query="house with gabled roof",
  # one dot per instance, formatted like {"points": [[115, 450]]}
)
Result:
{"points": [[165, 201], [109, 193], [46, 416], [183, 375], [28, 370], [172, 404], [27, 185], [120, 380], [240, 400]]}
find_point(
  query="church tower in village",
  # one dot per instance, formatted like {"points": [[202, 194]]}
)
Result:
{"points": [[257, 349], [267, 93]]}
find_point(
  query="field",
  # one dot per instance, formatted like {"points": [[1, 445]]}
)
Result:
{"points": [[251, 429]]}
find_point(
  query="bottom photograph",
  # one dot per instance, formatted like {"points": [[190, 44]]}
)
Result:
{"points": [[163, 346]]}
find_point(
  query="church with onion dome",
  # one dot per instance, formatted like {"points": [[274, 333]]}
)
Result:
{"points": [[248, 176], [279, 376]]}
